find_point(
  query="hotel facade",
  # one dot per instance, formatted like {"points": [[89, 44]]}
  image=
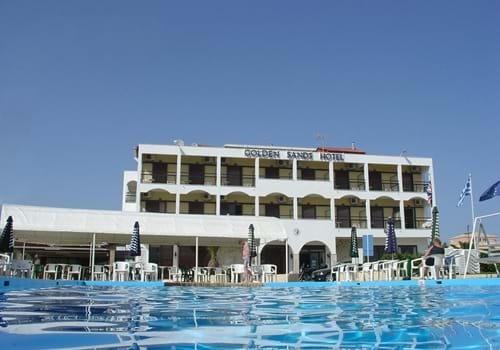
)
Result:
{"points": [[303, 203]]}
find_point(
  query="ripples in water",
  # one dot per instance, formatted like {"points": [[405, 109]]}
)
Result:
{"points": [[247, 318]]}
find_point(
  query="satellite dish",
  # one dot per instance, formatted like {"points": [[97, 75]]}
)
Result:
{"points": [[179, 142]]}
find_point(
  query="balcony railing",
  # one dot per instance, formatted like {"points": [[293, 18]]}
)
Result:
{"points": [[130, 197], [157, 206], [354, 185], [206, 179], [246, 181], [316, 216], [415, 187], [419, 223], [150, 177], [378, 223], [353, 221], [389, 186]]}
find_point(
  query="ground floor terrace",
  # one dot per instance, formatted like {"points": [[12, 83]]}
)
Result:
{"points": [[57, 235]]}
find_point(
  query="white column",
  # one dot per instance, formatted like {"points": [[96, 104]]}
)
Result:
{"points": [[257, 205], [178, 172], [333, 212], [402, 214], [217, 205], [400, 177], [139, 185], [257, 172], [286, 259], [175, 255], [368, 215], [218, 171], [331, 174], [177, 203], [296, 263], [295, 208], [294, 169], [367, 177]]}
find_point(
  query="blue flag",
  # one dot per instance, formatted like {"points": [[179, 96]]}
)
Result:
{"points": [[492, 191]]}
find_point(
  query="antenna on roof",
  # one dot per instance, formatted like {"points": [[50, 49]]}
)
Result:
{"points": [[179, 142], [353, 145], [321, 139]]}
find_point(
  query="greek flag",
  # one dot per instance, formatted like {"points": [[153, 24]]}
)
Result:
{"points": [[465, 192]]}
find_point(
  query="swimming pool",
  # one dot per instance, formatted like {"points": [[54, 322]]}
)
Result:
{"points": [[313, 317]]}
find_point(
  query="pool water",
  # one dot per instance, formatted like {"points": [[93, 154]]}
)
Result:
{"points": [[451, 317]]}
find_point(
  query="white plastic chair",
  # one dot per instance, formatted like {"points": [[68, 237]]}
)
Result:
{"points": [[237, 271], [21, 268], [50, 269], [149, 270], [436, 268], [174, 274], [121, 271], [269, 272], [257, 273], [74, 271], [99, 272], [220, 275], [4, 263], [366, 268]]}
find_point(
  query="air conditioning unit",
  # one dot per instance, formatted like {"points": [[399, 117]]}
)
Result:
{"points": [[148, 156], [282, 199], [415, 169], [206, 196], [418, 202], [146, 195], [354, 201], [282, 162], [222, 198], [352, 166], [223, 160]]}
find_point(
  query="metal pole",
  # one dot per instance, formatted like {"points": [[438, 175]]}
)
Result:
{"points": [[472, 203], [93, 258], [286, 258], [24, 249], [196, 262]]}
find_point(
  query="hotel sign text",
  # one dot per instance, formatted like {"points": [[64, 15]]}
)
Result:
{"points": [[299, 155]]}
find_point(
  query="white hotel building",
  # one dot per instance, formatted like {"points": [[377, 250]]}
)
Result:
{"points": [[303, 203]]}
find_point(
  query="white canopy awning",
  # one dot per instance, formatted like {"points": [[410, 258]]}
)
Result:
{"points": [[76, 226]]}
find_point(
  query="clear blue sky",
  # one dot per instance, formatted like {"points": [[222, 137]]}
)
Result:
{"points": [[81, 83]]}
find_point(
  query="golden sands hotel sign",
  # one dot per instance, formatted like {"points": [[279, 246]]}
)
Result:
{"points": [[299, 155]]}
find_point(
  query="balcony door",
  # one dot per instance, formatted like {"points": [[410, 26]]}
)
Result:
{"points": [[231, 209], [272, 210], [234, 176], [377, 214], [408, 182], [410, 221], [308, 174], [308, 212], [160, 172], [341, 179], [272, 173], [196, 174], [375, 179], [343, 217], [196, 208]]}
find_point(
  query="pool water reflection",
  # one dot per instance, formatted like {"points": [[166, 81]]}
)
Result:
{"points": [[239, 318]]}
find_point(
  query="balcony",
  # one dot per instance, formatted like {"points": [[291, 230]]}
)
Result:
{"points": [[353, 221], [387, 186], [158, 178], [415, 186], [245, 180], [382, 223], [198, 179], [418, 223], [130, 197], [158, 206], [353, 185], [314, 212]]}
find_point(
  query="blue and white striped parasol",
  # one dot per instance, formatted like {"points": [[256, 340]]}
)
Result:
{"points": [[391, 246], [135, 242], [7, 238]]}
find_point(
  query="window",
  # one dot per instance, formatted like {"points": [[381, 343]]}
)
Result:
{"points": [[234, 177], [272, 173], [407, 249], [341, 180], [231, 209], [196, 174], [308, 212], [308, 174], [196, 208], [272, 210]]}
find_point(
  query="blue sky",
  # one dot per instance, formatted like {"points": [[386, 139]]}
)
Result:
{"points": [[81, 83]]}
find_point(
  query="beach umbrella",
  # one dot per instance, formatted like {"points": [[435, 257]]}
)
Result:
{"points": [[391, 246], [251, 241], [353, 252], [435, 224], [7, 238], [135, 242]]}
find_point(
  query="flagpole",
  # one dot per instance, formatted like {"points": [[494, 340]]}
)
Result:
{"points": [[472, 203]]}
